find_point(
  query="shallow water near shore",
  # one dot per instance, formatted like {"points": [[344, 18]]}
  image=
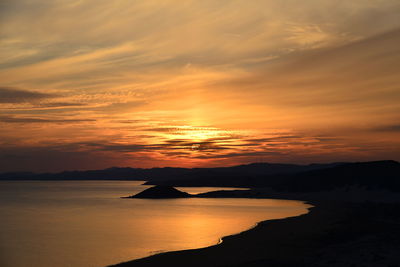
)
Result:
{"points": [[86, 223]]}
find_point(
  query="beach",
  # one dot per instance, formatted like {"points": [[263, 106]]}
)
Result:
{"points": [[331, 234]]}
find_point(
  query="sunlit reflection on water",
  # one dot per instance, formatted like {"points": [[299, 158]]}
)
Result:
{"points": [[87, 224]]}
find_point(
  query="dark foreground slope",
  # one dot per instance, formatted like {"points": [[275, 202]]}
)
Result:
{"points": [[375, 175], [330, 235]]}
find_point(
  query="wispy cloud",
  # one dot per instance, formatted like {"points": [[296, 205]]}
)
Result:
{"points": [[198, 83], [8, 119], [13, 95], [388, 128]]}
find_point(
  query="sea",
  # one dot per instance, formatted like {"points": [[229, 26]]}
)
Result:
{"points": [[87, 223]]}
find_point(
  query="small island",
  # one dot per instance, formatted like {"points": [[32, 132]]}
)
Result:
{"points": [[161, 191]]}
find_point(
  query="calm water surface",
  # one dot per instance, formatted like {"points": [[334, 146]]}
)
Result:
{"points": [[86, 223]]}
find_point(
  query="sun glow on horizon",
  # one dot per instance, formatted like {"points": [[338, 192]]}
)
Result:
{"points": [[207, 83]]}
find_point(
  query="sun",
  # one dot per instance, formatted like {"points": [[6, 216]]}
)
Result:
{"points": [[196, 134], [195, 147]]}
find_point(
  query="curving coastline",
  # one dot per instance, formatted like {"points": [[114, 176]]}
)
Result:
{"points": [[165, 192], [221, 239], [179, 258], [330, 234]]}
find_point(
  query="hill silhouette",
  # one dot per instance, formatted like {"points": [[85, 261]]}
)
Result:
{"points": [[161, 191], [281, 177], [376, 175], [157, 175]]}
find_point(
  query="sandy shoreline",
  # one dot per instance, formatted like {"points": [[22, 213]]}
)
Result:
{"points": [[331, 234]]}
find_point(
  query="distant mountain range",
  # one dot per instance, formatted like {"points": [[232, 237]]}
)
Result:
{"points": [[294, 178], [155, 175], [282, 177]]}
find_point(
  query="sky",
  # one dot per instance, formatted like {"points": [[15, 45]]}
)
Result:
{"points": [[90, 84]]}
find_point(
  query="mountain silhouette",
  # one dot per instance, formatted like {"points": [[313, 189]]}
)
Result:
{"points": [[281, 177], [376, 175], [370, 175], [157, 175]]}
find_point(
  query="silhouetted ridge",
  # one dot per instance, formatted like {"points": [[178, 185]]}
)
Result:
{"points": [[251, 175], [371, 175], [235, 175], [161, 191], [375, 175], [281, 177]]}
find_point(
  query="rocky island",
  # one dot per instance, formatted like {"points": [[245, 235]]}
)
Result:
{"points": [[160, 191]]}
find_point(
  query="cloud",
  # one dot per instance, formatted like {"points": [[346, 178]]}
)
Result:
{"points": [[59, 104], [275, 138], [56, 158], [388, 128], [317, 73], [162, 147], [119, 43], [333, 87], [119, 107], [254, 155], [23, 120], [12, 95]]}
